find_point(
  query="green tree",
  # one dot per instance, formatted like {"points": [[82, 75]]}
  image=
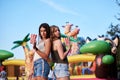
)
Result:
{"points": [[115, 30]]}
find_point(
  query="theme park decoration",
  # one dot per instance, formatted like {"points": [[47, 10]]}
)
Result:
{"points": [[81, 58], [74, 42], [96, 47], [5, 54], [105, 51], [18, 62], [71, 38], [108, 59], [101, 46], [22, 43], [28, 54], [72, 34]]}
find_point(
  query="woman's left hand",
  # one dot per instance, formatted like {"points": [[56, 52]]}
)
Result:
{"points": [[67, 43]]}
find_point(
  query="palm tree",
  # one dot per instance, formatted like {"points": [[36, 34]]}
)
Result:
{"points": [[22, 43], [26, 49]]}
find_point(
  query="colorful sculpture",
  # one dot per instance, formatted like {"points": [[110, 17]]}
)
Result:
{"points": [[72, 34], [5, 55], [96, 47], [28, 55], [105, 61]]}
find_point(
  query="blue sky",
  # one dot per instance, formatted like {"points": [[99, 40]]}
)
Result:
{"points": [[20, 17]]}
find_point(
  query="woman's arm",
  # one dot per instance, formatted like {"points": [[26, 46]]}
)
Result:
{"points": [[59, 48], [45, 54], [47, 47]]}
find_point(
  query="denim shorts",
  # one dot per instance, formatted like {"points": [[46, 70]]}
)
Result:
{"points": [[61, 70], [41, 68]]}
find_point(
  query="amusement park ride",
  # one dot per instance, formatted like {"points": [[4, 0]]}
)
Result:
{"points": [[81, 53]]}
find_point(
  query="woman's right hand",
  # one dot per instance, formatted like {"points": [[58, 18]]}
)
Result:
{"points": [[33, 39]]}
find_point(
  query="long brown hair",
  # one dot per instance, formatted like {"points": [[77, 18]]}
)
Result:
{"points": [[52, 30]]}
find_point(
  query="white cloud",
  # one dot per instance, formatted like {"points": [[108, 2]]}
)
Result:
{"points": [[58, 7]]}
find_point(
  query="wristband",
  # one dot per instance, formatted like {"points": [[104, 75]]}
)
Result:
{"points": [[36, 48]]}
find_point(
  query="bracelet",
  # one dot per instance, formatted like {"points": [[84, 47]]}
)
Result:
{"points": [[36, 49]]}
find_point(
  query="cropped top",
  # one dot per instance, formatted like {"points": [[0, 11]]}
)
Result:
{"points": [[41, 47], [56, 58]]}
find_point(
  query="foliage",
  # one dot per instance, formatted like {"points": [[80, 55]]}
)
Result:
{"points": [[115, 30]]}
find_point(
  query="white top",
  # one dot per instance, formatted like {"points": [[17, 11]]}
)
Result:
{"points": [[41, 47]]}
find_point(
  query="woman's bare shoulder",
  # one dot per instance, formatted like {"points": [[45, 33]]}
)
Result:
{"points": [[57, 42], [47, 40]]}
